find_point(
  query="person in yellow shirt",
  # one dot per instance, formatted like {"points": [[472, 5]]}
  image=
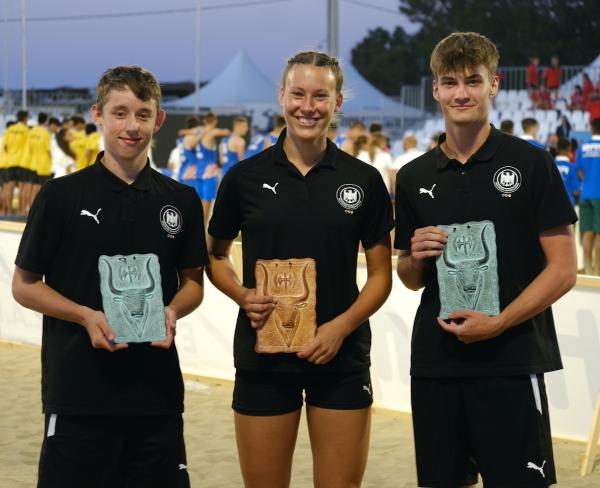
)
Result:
{"points": [[3, 165], [14, 144], [79, 143], [39, 151], [92, 143]]}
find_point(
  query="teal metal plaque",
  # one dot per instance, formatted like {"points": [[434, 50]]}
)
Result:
{"points": [[467, 270], [132, 297]]}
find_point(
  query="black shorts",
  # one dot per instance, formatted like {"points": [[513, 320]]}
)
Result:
{"points": [[263, 393], [13, 173], [113, 452], [3, 175], [41, 179], [496, 427], [29, 176]]}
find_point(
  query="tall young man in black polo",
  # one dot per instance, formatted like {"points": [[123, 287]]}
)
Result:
{"points": [[483, 334], [113, 411]]}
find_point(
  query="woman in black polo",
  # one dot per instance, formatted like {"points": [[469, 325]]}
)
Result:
{"points": [[305, 198]]}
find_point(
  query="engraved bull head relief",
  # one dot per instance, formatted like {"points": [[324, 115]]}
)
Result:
{"points": [[134, 301], [293, 320], [468, 273], [287, 311]]}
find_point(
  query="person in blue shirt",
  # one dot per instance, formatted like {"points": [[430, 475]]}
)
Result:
{"points": [[568, 171], [233, 148], [588, 166]]}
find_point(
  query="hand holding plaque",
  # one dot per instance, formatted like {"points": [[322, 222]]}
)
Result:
{"points": [[293, 322]]}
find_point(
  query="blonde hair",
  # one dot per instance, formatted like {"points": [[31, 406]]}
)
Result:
{"points": [[462, 50], [319, 59]]}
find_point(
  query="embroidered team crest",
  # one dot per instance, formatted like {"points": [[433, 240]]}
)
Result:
{"points": [[170, 219], [350, 196], [507, 179]]}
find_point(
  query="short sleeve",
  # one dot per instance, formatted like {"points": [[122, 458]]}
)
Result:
{"points": [[405, 219], [193, 251], [42, 233], [225, 222], [551, 203], [378, 215]]}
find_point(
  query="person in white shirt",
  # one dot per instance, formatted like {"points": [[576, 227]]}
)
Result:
{"points": [[411, 151], [378, 155]]}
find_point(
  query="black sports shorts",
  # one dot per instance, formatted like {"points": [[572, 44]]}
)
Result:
{"points": [[263, 393], [113, 452], [496, 427]]}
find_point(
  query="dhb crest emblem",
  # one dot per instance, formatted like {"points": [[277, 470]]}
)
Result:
{"points": [[170, 219], [507, 179], [350, 196]]}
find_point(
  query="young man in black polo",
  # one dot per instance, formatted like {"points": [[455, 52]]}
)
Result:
{"points": [[483, 223], [113, 411]]}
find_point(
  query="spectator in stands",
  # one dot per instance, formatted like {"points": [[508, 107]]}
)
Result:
{"points": [[567, 169], [552, 77], [577, 99], [533, 76], [507, 126], [552, 145], [593, 105], [588, 87], [588, 166], [357, 128], [411, 151], [564, 128], [530, 128], [542, 99]]}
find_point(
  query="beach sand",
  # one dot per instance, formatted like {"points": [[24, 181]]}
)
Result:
{"points": [[210, 438]]}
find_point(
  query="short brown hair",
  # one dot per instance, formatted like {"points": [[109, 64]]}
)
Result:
{"points": [[319, 59], [240, 119], [462, 50], [140, 81]]}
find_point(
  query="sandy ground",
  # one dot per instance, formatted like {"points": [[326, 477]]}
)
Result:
{"points": [[210, 437]]}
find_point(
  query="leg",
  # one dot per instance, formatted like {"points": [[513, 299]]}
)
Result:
{"points": [[340, 445], [588, 247], [206, 210], [596, 256], [266, 448]]}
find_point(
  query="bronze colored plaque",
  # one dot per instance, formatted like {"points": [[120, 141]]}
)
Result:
{"points": [[293, 323]]}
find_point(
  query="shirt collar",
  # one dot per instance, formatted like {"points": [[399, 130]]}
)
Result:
{"points": [[142, 182], [484, 153], [328, 161]]}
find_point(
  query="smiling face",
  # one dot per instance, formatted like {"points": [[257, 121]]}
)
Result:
{"points": [[127, 125], [465, 95], [309, 99]]}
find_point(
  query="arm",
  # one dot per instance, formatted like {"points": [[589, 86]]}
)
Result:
{"points": [[223, 276], [240, 148], [186, 300], [30, 291], [330, 335], [426, 243], [558, 277], [191, 141]]}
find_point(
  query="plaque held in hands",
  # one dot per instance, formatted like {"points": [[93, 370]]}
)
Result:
{"points": [[132, 297], [293, 322]]}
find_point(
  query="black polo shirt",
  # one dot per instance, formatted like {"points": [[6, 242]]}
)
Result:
{"points": [[518, 188], [324, 215], [154, 214]]}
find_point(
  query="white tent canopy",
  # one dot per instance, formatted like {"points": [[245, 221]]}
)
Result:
{"points": [[364, 100], [240, 85]]}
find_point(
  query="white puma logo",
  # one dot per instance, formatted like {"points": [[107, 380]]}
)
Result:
{"points": [[367, 389], [94, 216], [430, 192], [272, 188], [182, 467], [530, 465]]}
